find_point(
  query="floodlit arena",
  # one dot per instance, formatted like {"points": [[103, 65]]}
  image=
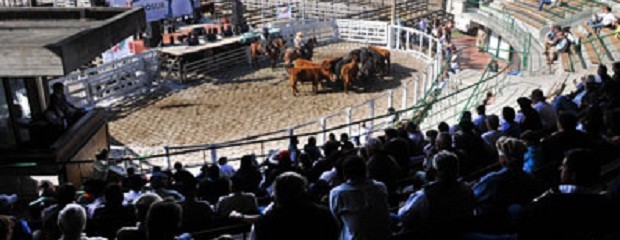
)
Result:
{"points": [[309, 119]]}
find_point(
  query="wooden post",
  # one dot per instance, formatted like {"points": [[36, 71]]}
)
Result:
{"points": [[403, 102], [349, 112], [323, 125]]}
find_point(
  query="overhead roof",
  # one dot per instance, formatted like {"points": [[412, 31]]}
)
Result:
{"points": [[56, 41]]}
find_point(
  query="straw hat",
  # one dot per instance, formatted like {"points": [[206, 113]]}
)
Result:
{"points": [[300, 34]]}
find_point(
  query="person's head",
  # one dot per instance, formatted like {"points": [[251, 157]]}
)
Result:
{"points": [[530, 138], [332, 137], [58, 88], [567, 121], [391, 133], [556, 28], [94, 187], [373, 146], [66, 193], [492, 122], [162, 220], [213, 172], [466, 116], [444, 141], [156, 169], [293, 140], [601, 70], [72, 221], [344, 137], [312, 141], [524, 103], [579, 168], [481, 110], [616, 67], [247, 162], [113, 195], [143, 203], [222, 161], [443, 127], [508, 114], [353, 168], [537, 96], [178, 166], [431, 135], [131, 171], [290, 189], [510, 152], [606, 9], [446, 166]]}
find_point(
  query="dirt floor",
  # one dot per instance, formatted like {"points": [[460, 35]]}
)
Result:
{"points": [[243, 101]]}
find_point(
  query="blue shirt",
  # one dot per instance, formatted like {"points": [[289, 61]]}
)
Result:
{"points": [[362, 209], [511, 129], [534, 159], [480, 123]]}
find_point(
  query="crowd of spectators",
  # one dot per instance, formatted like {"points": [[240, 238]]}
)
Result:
{"points": [[532, 172]]}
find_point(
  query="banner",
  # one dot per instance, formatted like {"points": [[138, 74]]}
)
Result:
{"points": [[155, 9], [285, 12], [181, 8], [120, 50]]}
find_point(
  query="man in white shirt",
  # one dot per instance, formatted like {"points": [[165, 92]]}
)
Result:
{"points": [[546, 112], [601, 20]]}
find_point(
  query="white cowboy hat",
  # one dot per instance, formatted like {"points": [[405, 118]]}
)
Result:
{"points": [[300, 34]]}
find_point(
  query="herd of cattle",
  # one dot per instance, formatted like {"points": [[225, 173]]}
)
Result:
{"points": [[362, 64]]}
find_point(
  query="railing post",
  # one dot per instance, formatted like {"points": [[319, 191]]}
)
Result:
{"points": [[213, 149], [349, 113], [323, 125], [415, 93], [167, 152], [291, 132], [390, 98], [403, 102], [371, 112]]}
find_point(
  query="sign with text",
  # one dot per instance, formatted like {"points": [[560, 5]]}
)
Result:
{"points": [[155, 9]]}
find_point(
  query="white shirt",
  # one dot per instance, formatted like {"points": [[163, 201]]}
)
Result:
{"points": [[227, 171], [606, 18], [547, 114]]}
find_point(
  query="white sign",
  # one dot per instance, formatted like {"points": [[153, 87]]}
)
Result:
{"points": [[181, 8], [285, 12], [120, 50], [155, 9]]}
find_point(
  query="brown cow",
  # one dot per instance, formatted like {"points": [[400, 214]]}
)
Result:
{"points": [[307, 74], [348, 73], [305, 63], [384, 53], [330, 64]]}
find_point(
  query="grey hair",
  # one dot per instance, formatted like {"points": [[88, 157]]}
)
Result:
{"points": [[374, 144], [72, 220]]}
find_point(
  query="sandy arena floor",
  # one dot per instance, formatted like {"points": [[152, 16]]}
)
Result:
{"points": [[242, 102]]}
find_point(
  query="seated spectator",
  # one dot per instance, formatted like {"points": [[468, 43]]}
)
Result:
{"points": [[528, 117], [197, 215], [70, 112], [226, 170], [498, 193], [293, 207], [601, 20], [550, 38], [443, 127], [212, 188], [163, 220], [160, 182], [360, 204], [470, 148], [396, 147], [183, 179], [93, 196], [134, 182], [203, 173], [575, 208], [381, 166], [16, 227], [510, 127], [534, 159], [239, 201], [142, 205], [491, 136], [310, 149], [72, 222], [65, 195], [465, 117], [480, 120], [247, 176], [112, 216], [560, 45], [345, 143], [431, 135], [331, 145], [567, 137], [545, 110], [443, 209]]}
